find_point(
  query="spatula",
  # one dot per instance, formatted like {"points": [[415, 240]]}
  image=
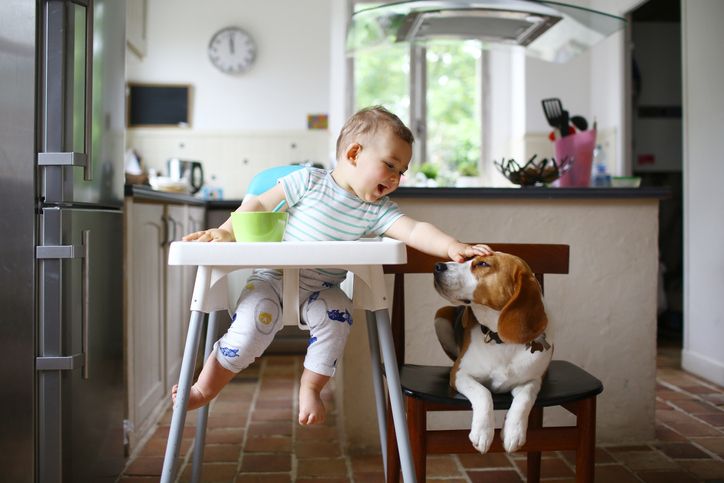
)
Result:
{"points": [[553, 109]]}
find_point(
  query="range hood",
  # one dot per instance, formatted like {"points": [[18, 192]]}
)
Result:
{"points": [[551, 31]]}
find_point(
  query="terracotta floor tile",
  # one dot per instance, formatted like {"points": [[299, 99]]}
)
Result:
{"points": [[713, 445], [318, 449], [321, 467], [666, 477], [614, 474], [222, 453], [266, 463], [442, 465], [212, 472], [269, 444], [253, 437], [366, 463], [704, 469], [667, 434], [479, 461], [549, 468], [280, 478], [282, 428], [494, 476], [682, 451], [224, 436], [645, 460], [695, 407]]}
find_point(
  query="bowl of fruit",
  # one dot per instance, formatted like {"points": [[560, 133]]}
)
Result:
{"points": [[535, 172]]}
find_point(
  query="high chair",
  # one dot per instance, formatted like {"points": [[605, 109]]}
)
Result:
{"points": [[426, 388], [216, 261]]}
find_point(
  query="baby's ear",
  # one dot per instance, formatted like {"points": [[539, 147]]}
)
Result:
{"points": [[352, 151]]}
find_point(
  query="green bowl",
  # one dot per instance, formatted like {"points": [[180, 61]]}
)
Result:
{"points": [[259, 226]]}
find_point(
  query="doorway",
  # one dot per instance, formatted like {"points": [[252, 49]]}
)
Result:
{"points": [[656, 143]]}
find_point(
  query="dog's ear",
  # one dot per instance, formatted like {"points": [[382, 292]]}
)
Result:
{"points": [[523, 318], [449, 330]]}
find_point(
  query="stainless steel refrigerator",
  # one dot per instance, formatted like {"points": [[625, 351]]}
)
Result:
{"points": [[62, 78]]}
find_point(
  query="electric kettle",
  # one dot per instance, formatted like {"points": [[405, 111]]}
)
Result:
{"points": [[190, 172]]}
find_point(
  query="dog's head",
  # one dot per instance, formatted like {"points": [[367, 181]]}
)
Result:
{"points": [[501, 282]]}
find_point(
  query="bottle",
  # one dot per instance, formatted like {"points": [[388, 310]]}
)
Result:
{"points": [[600, 178]]}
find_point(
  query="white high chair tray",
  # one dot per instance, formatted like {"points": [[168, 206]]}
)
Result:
{"points": [[290, 254]]}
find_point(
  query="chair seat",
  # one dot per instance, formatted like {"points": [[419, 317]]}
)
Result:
{"points": [[564, 382]]}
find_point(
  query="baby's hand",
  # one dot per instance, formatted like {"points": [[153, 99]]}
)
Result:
{"points": [[210, 235], [459, 252]]}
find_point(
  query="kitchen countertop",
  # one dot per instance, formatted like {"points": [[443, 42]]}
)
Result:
{"points": [[517, 193], [146, 193], [142, 192]]}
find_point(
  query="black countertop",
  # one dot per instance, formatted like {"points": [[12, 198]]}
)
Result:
{"points": [[146, 193]]}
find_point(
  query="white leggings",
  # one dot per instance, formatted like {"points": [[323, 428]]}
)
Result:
{"points": [[327, 312]]}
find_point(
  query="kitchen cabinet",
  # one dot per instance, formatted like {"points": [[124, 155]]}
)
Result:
{"points": [[158, 297]]}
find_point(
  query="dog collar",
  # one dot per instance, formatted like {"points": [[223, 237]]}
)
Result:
{"points": [[489, 335], [539, 344]]}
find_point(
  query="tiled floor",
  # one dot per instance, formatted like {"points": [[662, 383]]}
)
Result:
{"points": [[252, 437]]}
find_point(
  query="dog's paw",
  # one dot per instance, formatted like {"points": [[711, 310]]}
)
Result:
{"points": [[513, 436], [481, 434]]}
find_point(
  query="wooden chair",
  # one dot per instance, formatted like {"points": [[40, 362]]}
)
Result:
{"points": [[426, 388]]}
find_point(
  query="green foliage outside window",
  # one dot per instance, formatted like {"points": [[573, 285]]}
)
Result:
{"points": [[453, 99]]}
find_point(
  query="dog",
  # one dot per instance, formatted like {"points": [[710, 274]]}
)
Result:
{"points": [[495, 333]]}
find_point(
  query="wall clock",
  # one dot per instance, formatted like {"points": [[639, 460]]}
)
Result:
{"points": [[232, 50]]}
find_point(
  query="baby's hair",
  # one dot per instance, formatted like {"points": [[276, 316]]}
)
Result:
{"points": [[367, 121]]}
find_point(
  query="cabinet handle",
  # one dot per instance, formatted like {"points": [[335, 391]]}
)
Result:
{"points": [[164, 224]]}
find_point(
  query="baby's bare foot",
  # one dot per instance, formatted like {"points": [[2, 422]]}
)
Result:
{"points": [[196, 397], [311, 407]]}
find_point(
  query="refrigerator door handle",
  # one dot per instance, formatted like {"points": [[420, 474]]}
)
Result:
{"points": [[85, 280], [88, 169]]}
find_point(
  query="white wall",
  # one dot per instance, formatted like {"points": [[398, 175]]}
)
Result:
{"points": [[240, 124], [703, 106], [289, 80]]}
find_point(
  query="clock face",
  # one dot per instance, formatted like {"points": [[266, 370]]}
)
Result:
{"points": [[232, 50]]}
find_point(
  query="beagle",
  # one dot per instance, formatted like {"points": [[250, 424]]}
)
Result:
{"points": [[495, 334]]}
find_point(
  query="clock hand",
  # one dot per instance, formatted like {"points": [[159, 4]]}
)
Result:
{"points": [[231, 43]]}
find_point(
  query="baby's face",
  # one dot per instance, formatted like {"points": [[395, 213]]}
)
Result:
{"points": [[384, 157]]}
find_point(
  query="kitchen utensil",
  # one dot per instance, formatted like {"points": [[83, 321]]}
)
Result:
{"points": [[579, 122], [189, 172], [626, 181], [553, 110], [259, 226], [533, 172], [565, 124]]}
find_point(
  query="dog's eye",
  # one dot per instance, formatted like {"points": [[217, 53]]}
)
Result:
{"points": [[481, 263]]}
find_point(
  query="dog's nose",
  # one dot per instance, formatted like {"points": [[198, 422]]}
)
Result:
{"points": [[440, 267]]}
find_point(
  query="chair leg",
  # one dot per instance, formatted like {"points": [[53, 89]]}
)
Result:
{"points": [[417, 427], [586, 452], [393, 455], [535, 421]]}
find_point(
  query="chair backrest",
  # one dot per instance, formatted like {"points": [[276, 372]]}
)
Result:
{"points": [[265, 180], [543, 258]]}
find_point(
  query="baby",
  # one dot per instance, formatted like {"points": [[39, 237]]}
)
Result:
{"points": [[374, 149]]}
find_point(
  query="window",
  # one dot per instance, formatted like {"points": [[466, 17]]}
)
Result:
{"points": [[436, 90]]}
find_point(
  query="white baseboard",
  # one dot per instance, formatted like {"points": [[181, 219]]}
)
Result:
{"points": [[703, 366]]}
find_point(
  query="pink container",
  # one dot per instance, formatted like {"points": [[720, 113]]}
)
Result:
{"points": [[579, 146]]}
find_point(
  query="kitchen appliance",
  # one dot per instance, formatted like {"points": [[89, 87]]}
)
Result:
{"points": [[62, 71], [189, 172], [552, 31]]}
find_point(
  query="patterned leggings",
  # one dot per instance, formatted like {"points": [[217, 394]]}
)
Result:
{"points": [[327, 313]]}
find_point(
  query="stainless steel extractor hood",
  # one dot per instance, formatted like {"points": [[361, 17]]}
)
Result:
{"points": [[548, 30]]}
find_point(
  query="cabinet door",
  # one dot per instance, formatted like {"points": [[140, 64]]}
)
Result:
{"points": [[176, 315], [146, 235]]}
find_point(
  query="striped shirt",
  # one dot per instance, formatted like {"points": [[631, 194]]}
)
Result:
{"points": [[321, 210]]}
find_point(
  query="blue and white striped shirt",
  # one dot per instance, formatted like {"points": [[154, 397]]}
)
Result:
{"points": [[321, 210]]}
